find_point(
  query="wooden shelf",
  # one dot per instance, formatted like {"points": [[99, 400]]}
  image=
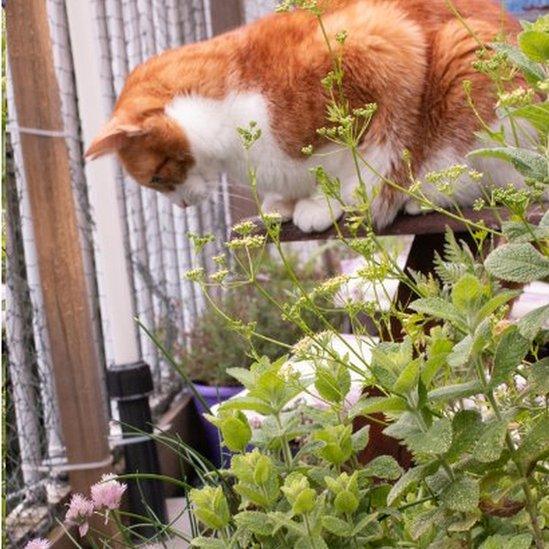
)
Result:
{"points": [[429, 223]]}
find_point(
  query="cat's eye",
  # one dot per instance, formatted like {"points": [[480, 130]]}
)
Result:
{"points": [[156, 180]]}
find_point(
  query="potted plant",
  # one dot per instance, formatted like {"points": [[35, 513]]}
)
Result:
{"points": [[213, 348]]}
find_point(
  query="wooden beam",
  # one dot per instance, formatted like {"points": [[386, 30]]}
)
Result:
{"points": [[225, 15], [76, 367], [429, 223]]}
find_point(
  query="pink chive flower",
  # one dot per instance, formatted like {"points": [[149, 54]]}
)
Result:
{"points": [[107, 493], [38, 543], [80, 510]]}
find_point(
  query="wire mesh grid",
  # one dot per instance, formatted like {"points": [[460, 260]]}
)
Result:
{"points": [[157, 254]]}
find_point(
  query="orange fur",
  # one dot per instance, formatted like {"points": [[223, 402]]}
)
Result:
{"points": [[409, 56]]}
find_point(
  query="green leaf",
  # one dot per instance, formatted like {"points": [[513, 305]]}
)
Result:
{"points": [[466, 292], [461, 495], [409, 478], [438, 308], [531, 70], [407, 379], [530, 324], [437, 439], [247, 403], [499, 541], [497, 301], [534, 44], [510, 351], [539, 375], [522, 231], [208, 543], [236, 431], [451, 392], [461, 352], [467, 426], [535, 445], [243, 375], [385, 467], [337, 526], [528, 163], [364, 523], [424, 521], [333, 383], [491, 442], [359, 439], [256, 522], [517, 263], [374, 405], [537, 114]]}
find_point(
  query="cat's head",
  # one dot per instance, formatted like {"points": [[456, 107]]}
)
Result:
{"points": [[155, 151]]}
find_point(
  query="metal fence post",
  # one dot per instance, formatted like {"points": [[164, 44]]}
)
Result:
{"points": [[130, 385]]}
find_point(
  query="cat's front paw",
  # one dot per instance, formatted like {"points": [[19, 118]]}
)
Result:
{"points": [[315, 215]]}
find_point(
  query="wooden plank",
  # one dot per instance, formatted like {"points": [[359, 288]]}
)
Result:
{"points": [[430, 223], [225, 15], [75, 360]]}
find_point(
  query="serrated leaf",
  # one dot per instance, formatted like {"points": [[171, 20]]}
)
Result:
{"points": [[517, 263], [438, 308], [531, 323], [491, 442], [510, 351], [424, 521], [374, 405], [410, 477], [535, 445], [337, 526], [243, 375], [531, 70], [537, 114], [521, 231], [534, 44], [282, 520], [255, 521], [539, 375], [466, 292], [364, 523], [528, 163], [467, 426], [497, 301], [499, 541], [385, 467], [437, 439], [247, 403], [465, 523], [461, 352], [208, 543], [451, 392], [461, 495], [405, 426], [359, 439], [407, 379]]}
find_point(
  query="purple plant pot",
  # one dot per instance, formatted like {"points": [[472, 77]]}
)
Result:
{"points": [[210, 443]]}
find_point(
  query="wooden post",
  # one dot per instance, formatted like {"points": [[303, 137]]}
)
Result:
{"points": [[225, 15], [75, 360]]}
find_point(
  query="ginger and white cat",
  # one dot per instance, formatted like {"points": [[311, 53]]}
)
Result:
{"points": [[174, 125]]}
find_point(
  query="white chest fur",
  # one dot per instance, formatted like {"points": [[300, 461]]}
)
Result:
{"points": [[211, 127]]}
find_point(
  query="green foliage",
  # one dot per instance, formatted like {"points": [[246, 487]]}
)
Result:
{"points": [[464, 390]]}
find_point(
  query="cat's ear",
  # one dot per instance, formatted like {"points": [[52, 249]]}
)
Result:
{"points": [[113, 135]]}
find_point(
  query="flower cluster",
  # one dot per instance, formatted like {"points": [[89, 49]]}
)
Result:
{"points": [[106, 496]]}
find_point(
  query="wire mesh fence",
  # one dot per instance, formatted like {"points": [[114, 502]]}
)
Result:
{"points": [[157, 253]]}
